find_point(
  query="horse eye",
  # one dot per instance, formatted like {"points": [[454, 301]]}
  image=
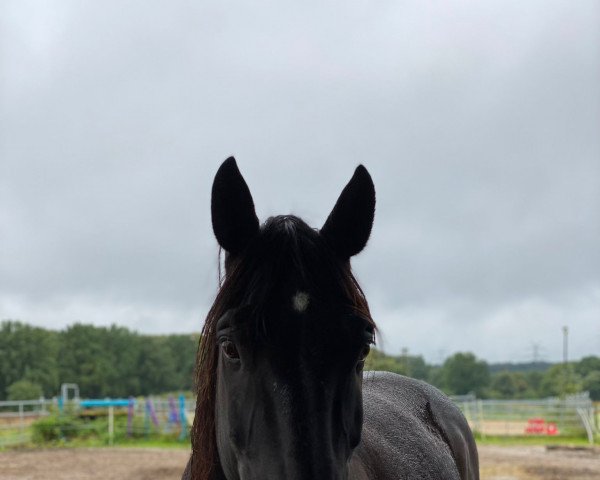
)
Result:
{"points": [[363, 356], [365, 352], [230, 350]]}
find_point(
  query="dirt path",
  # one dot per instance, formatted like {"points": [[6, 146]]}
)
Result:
{"points": [[536, 463], [94, 464], [497, 463]]}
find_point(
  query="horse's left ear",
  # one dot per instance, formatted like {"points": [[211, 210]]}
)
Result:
{"points": [[348, 227]]}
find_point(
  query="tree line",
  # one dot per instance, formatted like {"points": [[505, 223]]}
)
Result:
{"points": [[463, 373], [117, 362], [103, 361]]}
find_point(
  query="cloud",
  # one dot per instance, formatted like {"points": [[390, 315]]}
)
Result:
{"points": [[477, 121]]}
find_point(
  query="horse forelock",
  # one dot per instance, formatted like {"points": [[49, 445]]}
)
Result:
{"points": [[286, 248]]}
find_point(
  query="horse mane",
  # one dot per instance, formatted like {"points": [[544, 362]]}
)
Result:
{"points": [[283, 243]]}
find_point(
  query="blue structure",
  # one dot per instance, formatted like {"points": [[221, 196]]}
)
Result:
{"points": [[104, 403]]}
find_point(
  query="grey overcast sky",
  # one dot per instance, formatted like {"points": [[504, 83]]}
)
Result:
{"points": [[479, 122]]}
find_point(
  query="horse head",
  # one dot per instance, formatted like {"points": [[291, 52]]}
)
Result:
{"points": [[286, 340]]}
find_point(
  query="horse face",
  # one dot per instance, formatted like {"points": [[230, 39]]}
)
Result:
{"points": [[291, 346], [290, 405]]}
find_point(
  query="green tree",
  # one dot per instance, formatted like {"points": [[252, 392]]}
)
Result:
{"points": [[156, 367], [377, 360], [417, 368], [409, 365], [559, 380], [103, 361], [435, 376], [24, 390], [534, 381], [183, 351], [503, 385], [591, 383], [587, 365], [510, 385], [123, 351], [463, 373], [28, 353], [86, 359]]}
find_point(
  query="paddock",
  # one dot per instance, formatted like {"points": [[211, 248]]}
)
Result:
{"points": [[497, 463]]}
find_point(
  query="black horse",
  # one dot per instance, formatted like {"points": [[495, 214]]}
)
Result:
{"points": [[281, 389]]}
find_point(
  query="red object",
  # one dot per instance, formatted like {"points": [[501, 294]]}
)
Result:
{"points": [[538, 426], [551, 429]]}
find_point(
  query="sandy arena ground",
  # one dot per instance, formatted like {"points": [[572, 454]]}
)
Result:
{"points": [[497, 463]]}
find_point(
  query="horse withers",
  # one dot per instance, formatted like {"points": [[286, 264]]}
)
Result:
{"points": [[281, 390]]}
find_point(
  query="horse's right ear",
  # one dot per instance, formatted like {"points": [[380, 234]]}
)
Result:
{"points": [[234, 219]]}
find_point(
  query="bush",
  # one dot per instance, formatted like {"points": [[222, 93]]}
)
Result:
{"points": [[56, 428], [23, 390]]}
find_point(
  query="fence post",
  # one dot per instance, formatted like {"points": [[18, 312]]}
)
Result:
{"points": [[21, 420], [585, 419], [111, 425], [467, 410], [182, 418], [481, 426]]}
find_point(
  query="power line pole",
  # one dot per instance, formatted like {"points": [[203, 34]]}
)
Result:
{"points": [[565, 344], [405, 361], [535, 347]]}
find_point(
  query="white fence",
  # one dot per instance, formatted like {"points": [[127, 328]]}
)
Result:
{"points": [[156, 413], [573, 415], [17, 416]]}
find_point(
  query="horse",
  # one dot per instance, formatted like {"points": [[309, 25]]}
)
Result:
{"points": [[281, 388]]}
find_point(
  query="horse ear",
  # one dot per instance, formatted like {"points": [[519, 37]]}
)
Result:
{"points": [[349, 224], [234, 219]]}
